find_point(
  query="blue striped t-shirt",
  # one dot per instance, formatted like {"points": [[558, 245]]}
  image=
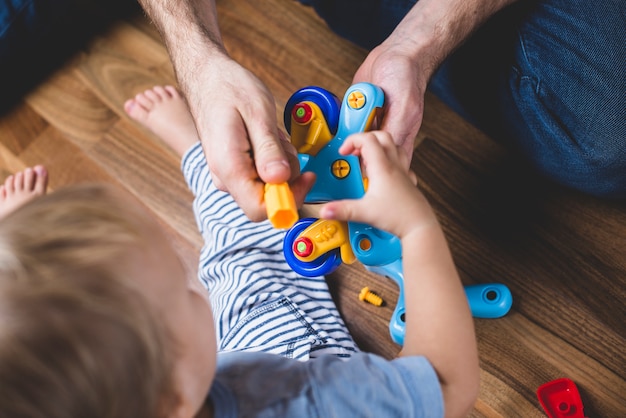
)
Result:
{"points": [[259, 303]]}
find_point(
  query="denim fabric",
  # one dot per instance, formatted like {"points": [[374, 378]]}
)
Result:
{"points": [[548, 77], [364, 22], [30, 46], [23, 21]]}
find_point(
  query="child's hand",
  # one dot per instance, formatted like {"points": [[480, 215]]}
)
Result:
{"points": [[392, 202]]}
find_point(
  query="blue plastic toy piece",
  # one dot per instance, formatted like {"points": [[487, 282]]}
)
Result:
{"points": [[397, 323], [492, 300], [325, 264], [340, 177]]}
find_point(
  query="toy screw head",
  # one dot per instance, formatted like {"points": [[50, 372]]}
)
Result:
{"points": [[303, 247], [340, 168], [302, 113], [356, 99]]}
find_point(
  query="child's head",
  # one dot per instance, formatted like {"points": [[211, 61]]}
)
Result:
{"points": [[96, 314]]}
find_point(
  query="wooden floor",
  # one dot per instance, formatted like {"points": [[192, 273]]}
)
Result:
{"points": [[563, 255]]}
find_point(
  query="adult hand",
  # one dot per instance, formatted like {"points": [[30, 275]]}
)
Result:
{"points": [[236, 120], [403, 64], [234, 112], [391, 67]]}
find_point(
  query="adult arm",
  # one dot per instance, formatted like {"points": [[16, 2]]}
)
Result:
{"points": [[404, 63], [234, 112], [439, 324]]}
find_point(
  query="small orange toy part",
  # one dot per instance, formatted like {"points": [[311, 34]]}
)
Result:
{"points": [[280, 205], [309, 130], [371, 297], [323, 236]]}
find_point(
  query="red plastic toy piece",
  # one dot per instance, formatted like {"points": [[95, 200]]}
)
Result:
{"points": [[560, 399], [303, 247], [302, 113]]}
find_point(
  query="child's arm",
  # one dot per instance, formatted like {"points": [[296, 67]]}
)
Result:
{"points": [[439, 325]]}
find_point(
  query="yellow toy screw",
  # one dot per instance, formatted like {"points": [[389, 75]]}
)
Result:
{"points": [[340, 169], [368, 296], [356, 99]]}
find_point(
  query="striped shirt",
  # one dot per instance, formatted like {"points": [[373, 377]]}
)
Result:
{"points": [[259, 303]]}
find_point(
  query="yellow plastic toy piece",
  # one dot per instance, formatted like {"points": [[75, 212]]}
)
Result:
{"points": [[371, 297], [280, 205], [326, 236], [374, 119], [340, 168], [311, 136], [356, 99], [366, 183]]}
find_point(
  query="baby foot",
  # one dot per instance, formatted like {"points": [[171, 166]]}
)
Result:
{"points": [[163, 110], [22, 187]]}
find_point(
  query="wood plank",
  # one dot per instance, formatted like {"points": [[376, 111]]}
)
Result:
{"points": [[66, 162], [72, 107], [150, 172], [123, 62], [529, 238], [19, 127]]}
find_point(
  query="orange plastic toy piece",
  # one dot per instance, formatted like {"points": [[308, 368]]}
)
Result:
{"points": [[368, 296], [309, 130], [321, 237], [281, 205]]}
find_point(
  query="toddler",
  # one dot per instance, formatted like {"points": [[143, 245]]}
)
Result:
{"points": [[97, 318]]}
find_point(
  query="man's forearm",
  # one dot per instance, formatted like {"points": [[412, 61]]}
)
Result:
{"points": [[434, 28], [190, 31]]}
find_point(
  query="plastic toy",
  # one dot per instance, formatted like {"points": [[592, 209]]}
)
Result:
{"points": [[318, 124], [280, 205], [560, 399], [368, 296]]}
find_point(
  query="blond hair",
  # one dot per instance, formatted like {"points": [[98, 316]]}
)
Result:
{"points": [[77, 337]]}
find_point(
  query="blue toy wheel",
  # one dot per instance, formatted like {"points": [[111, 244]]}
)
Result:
{"points": [[324, 264], [328, 103]]}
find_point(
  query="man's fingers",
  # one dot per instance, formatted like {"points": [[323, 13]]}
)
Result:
{"points": [[249, 196], [301, 186], [268, 148], [218, 183]]}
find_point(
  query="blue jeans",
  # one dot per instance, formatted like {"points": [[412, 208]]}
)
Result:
{"points": [[23, 23], [547, 77], [30, 47]]}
